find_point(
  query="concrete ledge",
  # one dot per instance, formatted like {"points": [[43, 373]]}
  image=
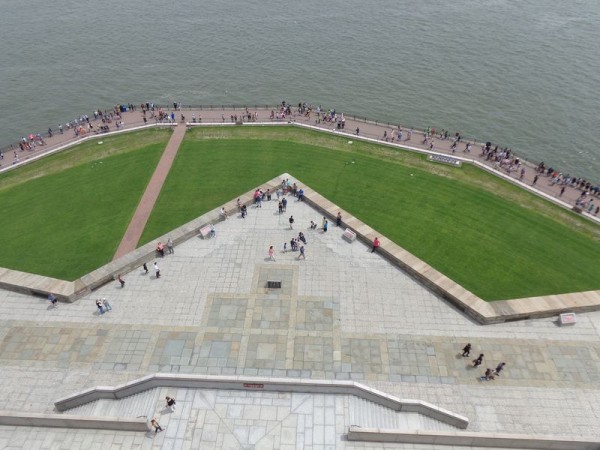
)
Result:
{"points": [[464, 439], [10, 418], [243, 383]]}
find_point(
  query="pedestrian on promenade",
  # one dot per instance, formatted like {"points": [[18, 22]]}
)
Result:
{"points": [[271, 253], [170, 403], [53, 300], [213, 232], [338, 219], [106, 304], [156, 425], [500, 368], [121, 281], [145, 267], [376, 244], [156, 270], [477, 362], [284, 204], [562, 191], [302, 254], [170, 246], [325, 226], [280, 207], [488, 375], [466, 350], [357, 131], [535, 180], [223, 213], [99, 306], [522, 174], [291, 220]]}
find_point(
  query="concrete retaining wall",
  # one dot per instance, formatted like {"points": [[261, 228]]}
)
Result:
{"points": [[261, 384], [466, 439], [65, 421]]}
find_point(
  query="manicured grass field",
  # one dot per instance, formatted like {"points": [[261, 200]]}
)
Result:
{"points": [[65, 215], [489, 236]]}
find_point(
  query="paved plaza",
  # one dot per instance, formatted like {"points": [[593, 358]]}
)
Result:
{"points": [[344, 313]]}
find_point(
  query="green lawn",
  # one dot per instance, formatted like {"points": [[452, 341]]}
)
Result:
{"points": [[64, 216], [489, 236]]}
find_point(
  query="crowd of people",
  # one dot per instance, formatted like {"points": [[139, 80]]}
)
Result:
{"points": [[501, 158]]}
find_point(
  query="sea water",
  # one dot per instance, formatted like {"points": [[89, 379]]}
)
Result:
{"points": [[521, 74]]}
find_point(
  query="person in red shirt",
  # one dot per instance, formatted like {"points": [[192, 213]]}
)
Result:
{"points": [[376, 244]]}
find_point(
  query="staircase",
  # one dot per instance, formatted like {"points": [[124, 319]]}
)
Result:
{"points": [[366, 414], [142, 404]]}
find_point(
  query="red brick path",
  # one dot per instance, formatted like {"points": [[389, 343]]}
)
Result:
{"points": [[142, 213]]}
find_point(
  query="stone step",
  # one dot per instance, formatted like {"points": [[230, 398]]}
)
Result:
{"points": [[367, 414], [142, 404]]}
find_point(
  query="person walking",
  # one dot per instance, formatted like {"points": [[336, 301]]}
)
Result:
{"points": [[376, 244], [156, 270], [53, 300], [145, 267], [325, 226], [170, 403], [477, 362], [302, 254], [466, 350], [170, 246], [291, 220], [106, 304], [535, 180], [488, 375], [121, 280], [99, 306], [156, 425], [338, 219], [271, 253], [500, 368]]}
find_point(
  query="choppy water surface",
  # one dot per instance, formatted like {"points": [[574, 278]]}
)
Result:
{"points": [[523, 74]]}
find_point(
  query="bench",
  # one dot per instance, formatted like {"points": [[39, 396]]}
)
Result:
{"points": [[205, 232], [349, 235], [567, 319], [445, 160]]}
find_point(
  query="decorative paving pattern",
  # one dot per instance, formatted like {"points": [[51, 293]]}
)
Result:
{"points": [[315, 314], [218, 350], [226, 312], [271, 313], [313, 353], [171, 350], [125, 350], [266, 351]]}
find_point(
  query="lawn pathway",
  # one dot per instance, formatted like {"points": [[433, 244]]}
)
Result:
{"points": [[142, 213]]}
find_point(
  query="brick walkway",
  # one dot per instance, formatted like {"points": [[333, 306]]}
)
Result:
{"points": [[142, 213]]}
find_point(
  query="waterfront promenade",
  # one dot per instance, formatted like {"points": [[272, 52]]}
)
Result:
{"points": [[368, 129]]}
